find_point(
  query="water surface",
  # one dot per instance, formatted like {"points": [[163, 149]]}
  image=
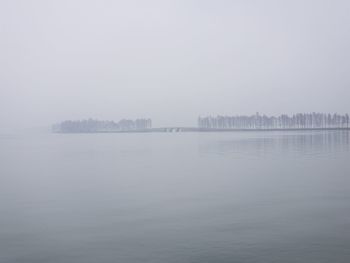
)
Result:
{"points": [[175, 197]]}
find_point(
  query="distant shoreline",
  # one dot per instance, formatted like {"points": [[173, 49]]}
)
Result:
{"points": [[194, 129], [300, 121]]}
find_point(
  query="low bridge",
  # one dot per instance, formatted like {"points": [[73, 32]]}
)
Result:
{"points": [[175, 129]]}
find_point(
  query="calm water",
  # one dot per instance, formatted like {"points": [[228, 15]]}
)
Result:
{"points": [[181, 197]]}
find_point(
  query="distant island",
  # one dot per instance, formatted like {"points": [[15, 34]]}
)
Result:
{"points": [[90, 125], [256, 122]]}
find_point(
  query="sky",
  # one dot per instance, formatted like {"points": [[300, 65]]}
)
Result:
{"points": [[170, 60]]}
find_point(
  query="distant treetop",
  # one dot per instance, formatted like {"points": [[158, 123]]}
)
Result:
{"points": [[257, 121], [91, 125]]}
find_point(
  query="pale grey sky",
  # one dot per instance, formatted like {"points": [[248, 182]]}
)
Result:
{"points": [[170, 60]]}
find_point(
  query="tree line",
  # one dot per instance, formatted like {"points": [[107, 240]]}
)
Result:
{"points": [[91, 125], [284, 121]]}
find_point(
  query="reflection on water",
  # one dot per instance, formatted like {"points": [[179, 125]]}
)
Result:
{"points": [[262, 143], [187, 197]]}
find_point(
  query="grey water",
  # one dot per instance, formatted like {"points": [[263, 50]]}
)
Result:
{"points": [[175, 197]]}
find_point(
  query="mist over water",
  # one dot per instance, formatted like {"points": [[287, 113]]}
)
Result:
{"points": [[127, 84], [175, 197]]}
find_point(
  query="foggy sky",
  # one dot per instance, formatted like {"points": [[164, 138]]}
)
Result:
{"points": [[170, 60]]}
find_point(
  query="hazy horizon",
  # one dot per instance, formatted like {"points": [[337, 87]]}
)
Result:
{"points": [[174, 164], [170, 60]]}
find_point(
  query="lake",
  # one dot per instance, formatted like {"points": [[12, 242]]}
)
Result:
{"points": [[175, 197]]}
